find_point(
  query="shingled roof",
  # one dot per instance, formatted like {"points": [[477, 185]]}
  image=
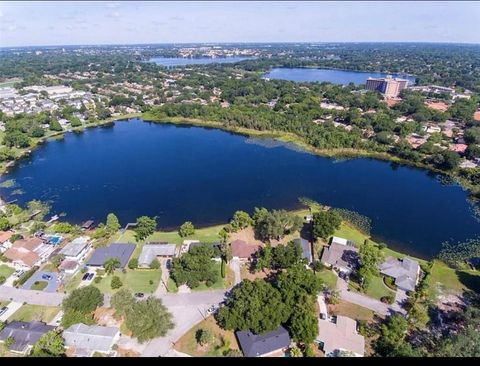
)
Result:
{"points": [[253, 345]]}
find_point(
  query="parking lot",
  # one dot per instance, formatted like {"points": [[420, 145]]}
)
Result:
{"points": [[53, 282]]}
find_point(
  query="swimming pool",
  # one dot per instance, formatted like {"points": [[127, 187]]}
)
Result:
{"points": [[54, 239]]}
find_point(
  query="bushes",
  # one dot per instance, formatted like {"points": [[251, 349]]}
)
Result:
{"points": [[2, 280], [23, 278], [116, 283], [133, 263], [186, 229], [389, 299], [155, 264], [222, 269]]}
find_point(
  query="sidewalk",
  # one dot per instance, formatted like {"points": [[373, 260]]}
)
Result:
{"points": [[12, 308]]}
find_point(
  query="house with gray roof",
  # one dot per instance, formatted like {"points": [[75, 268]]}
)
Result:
{"points": [[76, 249], [122, 252], [405, 272], [339, 334], [152, 251], [263, 345], [24, 334], [306, 249], [343, 258], [87, 339]]}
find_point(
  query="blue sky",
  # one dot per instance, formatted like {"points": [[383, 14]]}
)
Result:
{"points": [[109, 22]]}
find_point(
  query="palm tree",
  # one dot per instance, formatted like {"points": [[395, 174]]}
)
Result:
{"points": [[111, 264]]}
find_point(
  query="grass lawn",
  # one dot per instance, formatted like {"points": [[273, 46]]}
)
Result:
{"points": [[206, 235], [217, 285], [137, 280], [49, 267], [376, 290], [188, 344], [353, 311], [74, 281], [450, 281], [350, 233], [171, 285], [6, 271], [39, 285], [28, 313], [328, 277]]}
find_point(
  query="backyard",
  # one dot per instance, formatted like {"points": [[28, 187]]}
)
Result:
{"points": [[353, 311], [189, 345], [446, 280], [28, 313], [137, 280], [328, 277], [6, 271]]}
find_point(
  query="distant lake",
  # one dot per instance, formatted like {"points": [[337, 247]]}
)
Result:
{"points": [[342, 77], [184, 61], [181, 173]]}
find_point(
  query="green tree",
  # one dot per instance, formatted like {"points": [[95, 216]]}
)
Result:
{"points": [[240, 220], [325, 223], [204, 336], [133, 263], [122, 301], [393, 333], [71, 317], [195, 267], [370, 258], [9, 342], [256, 306], [49, 344], [155, 264], [294, 351], [303, 324], [145, 227], [84, 300], [112, 225], [186, 229], [116, 282], [446, 160], [55, 125], [149, 319], [275, 224], [111, 264]]}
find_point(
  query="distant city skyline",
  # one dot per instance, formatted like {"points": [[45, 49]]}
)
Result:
{"points": [[52, 23]]}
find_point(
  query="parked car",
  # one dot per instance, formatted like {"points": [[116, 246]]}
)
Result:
{"points": [[85, 276], [139, 295], [3, 310], [211, 309], [90, 276], [46, 277]]}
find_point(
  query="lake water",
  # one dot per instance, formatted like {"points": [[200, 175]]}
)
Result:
{"points": [[203, 175], [342, 77], [184, 61]]}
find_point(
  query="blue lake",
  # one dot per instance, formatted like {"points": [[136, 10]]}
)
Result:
{"points": [[185, 61], [342, 77], [203, 175]]}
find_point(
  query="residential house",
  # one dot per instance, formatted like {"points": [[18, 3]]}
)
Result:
{"points": [[24, 334], [338, 334], [77, 249], [242, 250], [306, 249], [84, 340], [341, 257], [405, 272], [5, 240], [69, 267], [269, 344], [25, 253], [153, 250], [121, 251]]}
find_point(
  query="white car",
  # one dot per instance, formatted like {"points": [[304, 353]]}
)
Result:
{"points": [[3, 310]]}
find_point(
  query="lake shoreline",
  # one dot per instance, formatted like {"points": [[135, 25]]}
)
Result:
{"points": [[344, 153]]}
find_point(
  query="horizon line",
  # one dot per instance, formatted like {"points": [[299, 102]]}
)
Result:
{"points": [[239, 43]]}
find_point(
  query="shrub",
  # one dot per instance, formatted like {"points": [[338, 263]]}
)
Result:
{"points": [[203, 336], [186, 229], [23, 278], [222, 269], [97, 279], [133, 263], [2, 280], [389, 299], [116, 282], [155, 264], [318, 266]]}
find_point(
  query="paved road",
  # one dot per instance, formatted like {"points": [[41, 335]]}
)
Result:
{"points": [[30, 296], [12, 308], [187, 309], [234, 265]]}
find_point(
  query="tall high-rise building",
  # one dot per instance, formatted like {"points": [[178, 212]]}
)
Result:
{"points": [[390, 87]]}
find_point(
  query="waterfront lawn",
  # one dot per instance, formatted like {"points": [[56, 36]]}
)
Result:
{"points": [[219, 283], [206, 235], [188, 343], [376, 290], [353, 311], [348, 232], [6, 271], [137, 280], [446, 280], [328, 277], [39, 285], [28, 313]]}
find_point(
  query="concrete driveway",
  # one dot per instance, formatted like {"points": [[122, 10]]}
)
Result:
{"points": [[234, 265], [187, 309], [12, 308], [53, 282]]}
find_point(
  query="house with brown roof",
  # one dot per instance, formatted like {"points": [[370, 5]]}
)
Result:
{"points": [[243, 250], [24, 252], [5, 240]]}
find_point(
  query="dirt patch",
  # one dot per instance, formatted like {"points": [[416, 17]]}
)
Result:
{"points": [[450, 303], [246, 274], [123, 352], [104, 316], [248, 236]]}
